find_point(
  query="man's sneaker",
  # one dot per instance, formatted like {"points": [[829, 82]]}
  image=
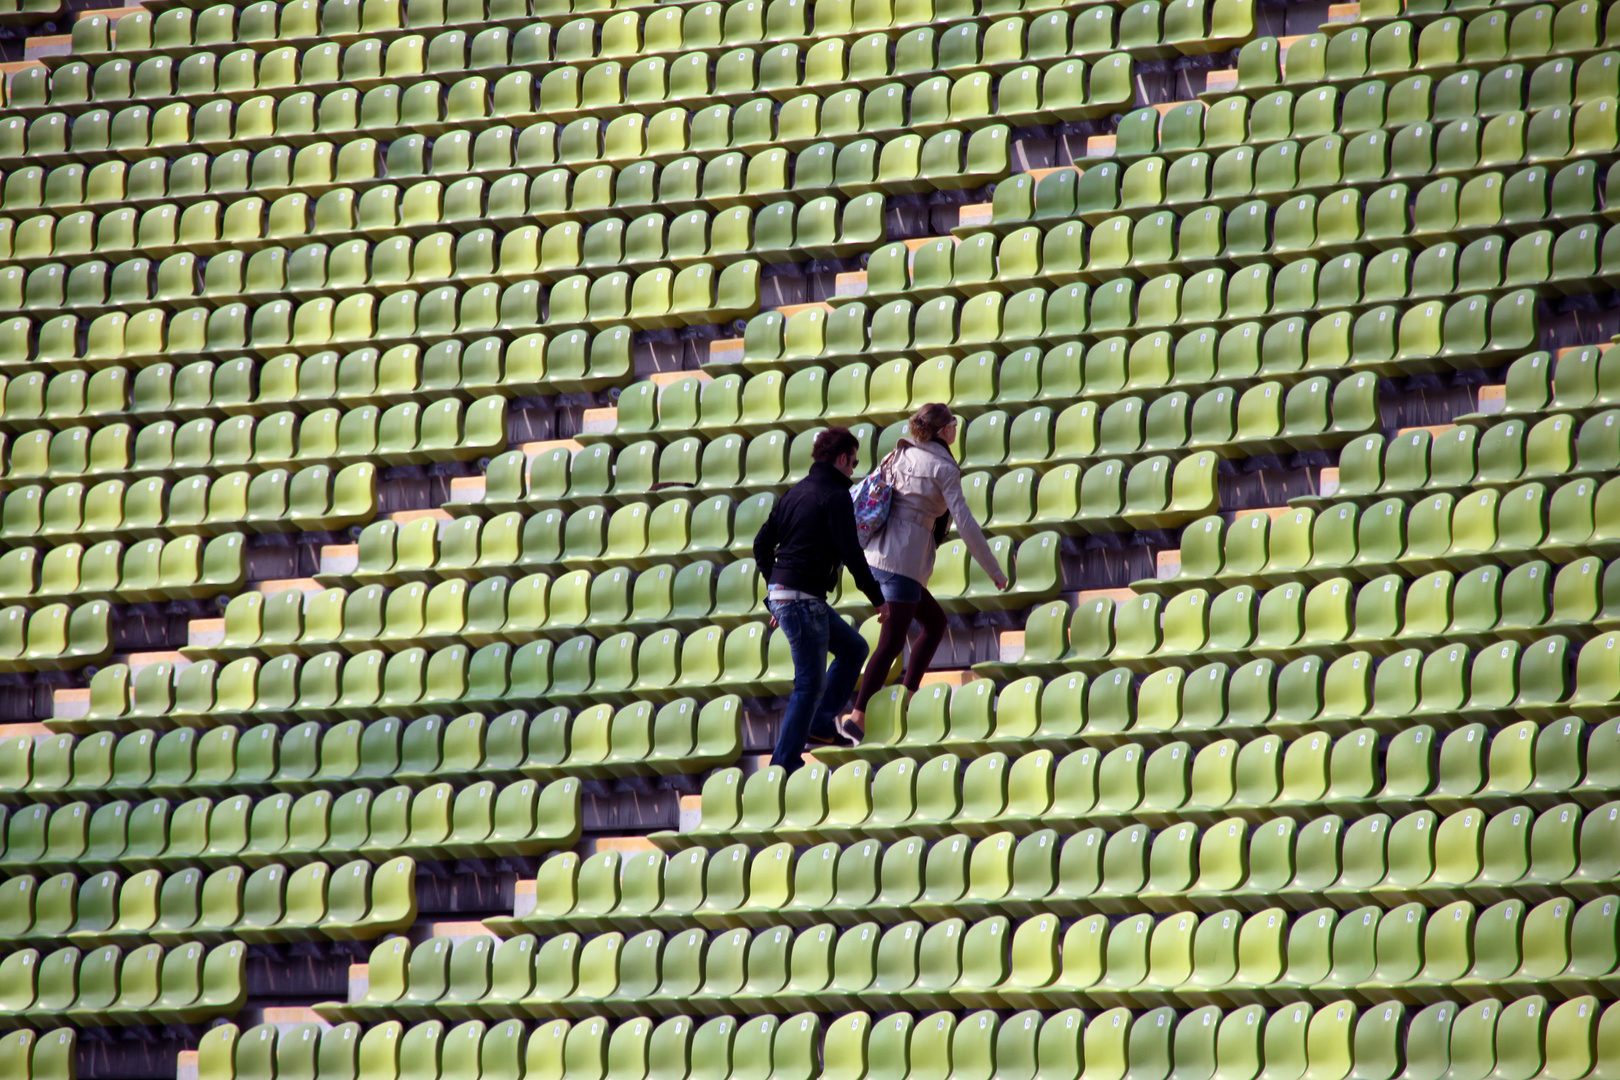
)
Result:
{"points": [[839, 736]]}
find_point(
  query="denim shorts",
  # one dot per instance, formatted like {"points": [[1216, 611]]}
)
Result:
{"points": [[897, 588]]}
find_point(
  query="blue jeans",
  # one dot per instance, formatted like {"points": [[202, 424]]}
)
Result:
{"points": [[819, 692]]}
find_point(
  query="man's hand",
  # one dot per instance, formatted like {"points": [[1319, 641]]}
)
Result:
{"points": [[883, 613], [773, 622], [1001, 582]]}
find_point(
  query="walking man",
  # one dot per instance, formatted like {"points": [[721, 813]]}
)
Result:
{"points": [[809, 534]]}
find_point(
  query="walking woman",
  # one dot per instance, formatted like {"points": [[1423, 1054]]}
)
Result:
{"points": [[926, 487]]}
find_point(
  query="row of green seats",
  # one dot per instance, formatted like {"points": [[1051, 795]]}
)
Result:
{"points": [[532, 363], [55, 637], [1578, 382], [51, 1055], [1514, 852], [1477, 607], [1044, 74], [34, 400], [223, 24], [657, 298], [1334, 223], [714, 25], [511, 543], [665, 66], [1484, 456], [1418, 12], [1263, 778], [955, 965], [316, 1051], [1261, 65], [1413, 207], [340, 215], [1423, 11], [697, 294], [558, 1050], [438, 822], [737, 404], [1328, 618], [313, 164], [1486, 40], [1322, 533], [165, 62], [389, 112], [1229, 863], [1102, 372], [1108, 495], [409, 684], [727, 465], [1306, 629], [678, 595], [218, 28], [188, 984], [349, 18], [406, 433], [290, 384], [312, 499], [1040, 73], [314, 902], [1328, 688], [357, 264], [412, 683], [1025, 95], [182, 568], [681, 736], [601, 475], [1445, 531], [497, 609], [747, 660], [449, 612], [650, 300], [906, 163], [86, 285], [1236, 120], [220, 124], [1519, 1040], [997, 395], [1155, 490], [1181, 958], [1125, 247], [1113, 708], [188, 178], [681, 186], [1471, 331], [1503, 847], [441, 256], [938, 795], [1269, 417]]}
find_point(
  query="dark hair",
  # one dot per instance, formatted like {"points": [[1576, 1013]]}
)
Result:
{"points": [[928, 421], [834, 443]]}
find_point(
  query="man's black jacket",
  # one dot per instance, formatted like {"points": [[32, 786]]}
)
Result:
{"points": [[809, 533]]}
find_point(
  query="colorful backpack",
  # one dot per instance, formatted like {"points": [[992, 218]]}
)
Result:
{"points": [[872, 497]]}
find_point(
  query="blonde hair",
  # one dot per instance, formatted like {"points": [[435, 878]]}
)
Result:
{"points": [[928, 421]]}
